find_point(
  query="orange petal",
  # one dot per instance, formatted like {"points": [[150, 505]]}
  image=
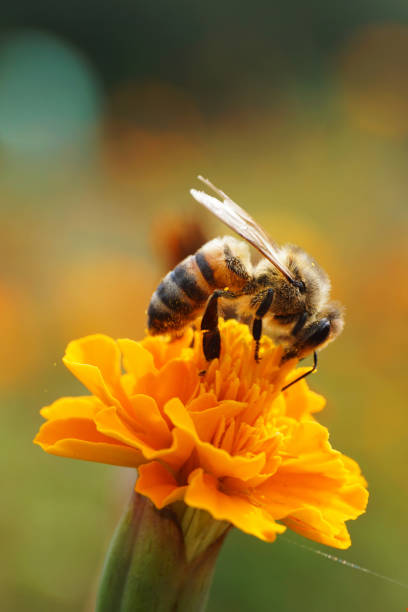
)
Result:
{"points": [[98, 350], [214, 460], [156, 483], [149, 420], [203, 402], [308, 450], [278, 406], [79, 439], [180, 450], [300, 400], [316, 477], [136, 359], [163, 350], [176, 379], [354, 469], [329, 502], [95, 361], [207, 421], [203, 492], [310, 523], [85, 406], [110, 423]]}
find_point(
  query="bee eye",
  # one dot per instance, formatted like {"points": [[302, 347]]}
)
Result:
{"points": [[300, 285], [321, 331]]}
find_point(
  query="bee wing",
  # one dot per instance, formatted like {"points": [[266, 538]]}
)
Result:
{"points": [[242, 223]]}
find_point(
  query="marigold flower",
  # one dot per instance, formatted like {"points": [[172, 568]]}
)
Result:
{"points": [[221, 437]]}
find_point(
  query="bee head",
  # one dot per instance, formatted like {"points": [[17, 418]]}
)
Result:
{"points": [[310, 280], [319, 331]]}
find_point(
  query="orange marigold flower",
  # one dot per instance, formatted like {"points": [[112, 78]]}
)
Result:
{"points": [[221, 437]]}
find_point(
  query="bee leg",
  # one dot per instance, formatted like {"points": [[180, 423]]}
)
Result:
{"points": [[257, 324], [257, 333], [209, 325]]}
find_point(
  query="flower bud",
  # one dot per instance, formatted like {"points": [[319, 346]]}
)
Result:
{"points": [[148, 567]]}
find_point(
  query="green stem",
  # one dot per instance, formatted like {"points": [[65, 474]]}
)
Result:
{"points": [[147, 568], [195, 590]]}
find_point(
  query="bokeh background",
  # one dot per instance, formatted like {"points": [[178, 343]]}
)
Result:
{"points": [[108, 111]]}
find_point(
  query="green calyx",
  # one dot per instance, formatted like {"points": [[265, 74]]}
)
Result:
{"points": [[159, 560]]}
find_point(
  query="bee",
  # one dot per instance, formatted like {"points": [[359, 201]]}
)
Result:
{"points": [[285, 294]]}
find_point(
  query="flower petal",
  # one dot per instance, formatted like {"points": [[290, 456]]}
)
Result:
{"points": [[149, 420], [207, 421], [79, 439], [136, 359], [85, 406], [317, 489], [109, 423], [163, 350], [95, 361], [204, 492], [308, 450], [310, 523], [214, 460], [177, 378], [251, 454], [156, 482], [285, 493], [300, 400]]}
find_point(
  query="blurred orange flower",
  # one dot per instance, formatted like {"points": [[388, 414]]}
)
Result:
{"points": [[227, 440]]}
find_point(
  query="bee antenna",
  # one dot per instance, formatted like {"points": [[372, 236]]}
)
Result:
{"points": [[313, 369]]}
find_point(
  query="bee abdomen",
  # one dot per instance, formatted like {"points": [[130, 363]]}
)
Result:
{"points": [[159, 318], [205, 268], [177, 300], [188, 284]]}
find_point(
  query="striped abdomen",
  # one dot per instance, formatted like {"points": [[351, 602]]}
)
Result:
{"points": [[183, 293]]}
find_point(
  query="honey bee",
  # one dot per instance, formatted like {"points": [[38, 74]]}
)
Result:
{"points": [[285, 294]]}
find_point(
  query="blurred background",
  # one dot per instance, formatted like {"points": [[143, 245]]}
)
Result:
{"points": [[108, 111]]}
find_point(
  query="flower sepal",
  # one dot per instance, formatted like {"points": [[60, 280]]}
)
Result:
{"points": [[151, 564]]}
